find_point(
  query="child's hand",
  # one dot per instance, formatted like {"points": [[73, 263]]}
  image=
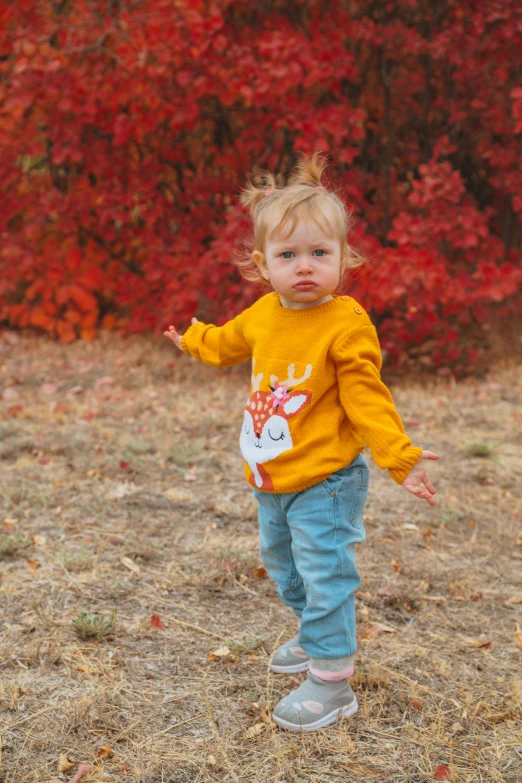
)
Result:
{"points": [[417, 481], [173, 335]]}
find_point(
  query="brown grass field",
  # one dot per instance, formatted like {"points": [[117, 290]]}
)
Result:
{"points": [[122, 490]]}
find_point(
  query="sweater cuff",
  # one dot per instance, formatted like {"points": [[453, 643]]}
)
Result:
{"points": [[184, 344], [400, 473]]}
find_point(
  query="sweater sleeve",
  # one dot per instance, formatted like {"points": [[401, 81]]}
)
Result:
{"points": [[219, 346], [369, 406]]}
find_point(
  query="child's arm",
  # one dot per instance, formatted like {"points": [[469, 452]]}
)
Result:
{"points": [[219, 346], [369, 405]]}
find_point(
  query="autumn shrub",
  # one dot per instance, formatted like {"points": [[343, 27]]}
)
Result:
{"points": [[128, 128]]}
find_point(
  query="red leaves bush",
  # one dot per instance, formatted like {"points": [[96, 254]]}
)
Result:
{"points": [[129, 128]]}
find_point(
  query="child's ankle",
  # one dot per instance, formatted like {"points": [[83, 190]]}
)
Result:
{"points": [[332, 669]]}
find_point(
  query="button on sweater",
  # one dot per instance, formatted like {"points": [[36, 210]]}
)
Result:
{"points": [[316, 396]]}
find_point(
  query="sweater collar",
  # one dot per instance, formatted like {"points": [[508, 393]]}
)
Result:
{"points": [[304, 312]]}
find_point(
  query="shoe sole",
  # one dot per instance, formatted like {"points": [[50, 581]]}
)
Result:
{"points": [[297, 667], [327, 720]]}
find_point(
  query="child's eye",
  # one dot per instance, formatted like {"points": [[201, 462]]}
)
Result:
{"points": [[320, 253], [287, 254]]}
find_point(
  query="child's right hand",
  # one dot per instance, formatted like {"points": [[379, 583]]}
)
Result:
{"points": [[173, 335]]}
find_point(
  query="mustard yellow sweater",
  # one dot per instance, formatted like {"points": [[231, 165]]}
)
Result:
{"points": [[316, 397]]}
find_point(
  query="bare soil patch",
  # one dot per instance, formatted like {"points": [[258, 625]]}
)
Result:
{"points": [[122, 490]]}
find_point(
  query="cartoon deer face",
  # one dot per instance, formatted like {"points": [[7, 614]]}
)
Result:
{"points": [[265, 432]]}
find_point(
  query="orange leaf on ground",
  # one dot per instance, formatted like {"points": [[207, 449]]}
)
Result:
{"points": [[33, 564], [155, 622], [260, 573], [442, 772], [416, 704], [105, 752], [221, 652]]}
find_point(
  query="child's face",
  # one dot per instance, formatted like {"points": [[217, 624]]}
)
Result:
{"points": [[304, 268]]}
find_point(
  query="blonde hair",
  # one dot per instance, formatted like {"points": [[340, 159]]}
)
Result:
{"points": [[277, 211]]}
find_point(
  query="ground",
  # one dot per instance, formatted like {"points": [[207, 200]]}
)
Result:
{"points": [[122, 490]]}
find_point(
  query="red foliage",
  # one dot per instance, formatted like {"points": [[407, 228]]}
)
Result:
{"points": [[129, 127]]}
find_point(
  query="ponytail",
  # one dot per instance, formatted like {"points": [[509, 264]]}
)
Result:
{"points": [[309, 170], [252, 195]]}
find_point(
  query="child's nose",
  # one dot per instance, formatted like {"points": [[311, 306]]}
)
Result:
{"points": [[304, 264]]}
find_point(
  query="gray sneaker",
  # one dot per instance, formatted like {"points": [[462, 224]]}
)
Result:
{"points": [[316, 703], [290, 658]]}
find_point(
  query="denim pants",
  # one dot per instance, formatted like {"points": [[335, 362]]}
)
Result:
{"points": [[307, 545]]}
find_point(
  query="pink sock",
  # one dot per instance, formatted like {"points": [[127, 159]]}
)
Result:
{"points": [[332, 676]]}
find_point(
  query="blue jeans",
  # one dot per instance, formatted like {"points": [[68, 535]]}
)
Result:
{"points": [[307, 544]]}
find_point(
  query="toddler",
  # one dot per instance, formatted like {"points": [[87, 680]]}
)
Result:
{"points": [[316, 400]]}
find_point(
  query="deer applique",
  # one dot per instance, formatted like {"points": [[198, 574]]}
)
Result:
{"points": [[265, 433]]}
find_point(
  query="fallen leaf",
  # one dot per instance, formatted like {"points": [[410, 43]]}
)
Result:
{"points": [[155, 622], [260, 573], [39, 539], [130, 564], [253, 731], [369, 633], [486, 645], [64, 763], [397, 565], [211, 760], [221, 652], [416, 704], [442, 772], [10, 521], [105, 752], [33, 564]]}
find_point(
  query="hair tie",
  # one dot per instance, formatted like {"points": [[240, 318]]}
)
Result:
{"points": [[269, 191]]}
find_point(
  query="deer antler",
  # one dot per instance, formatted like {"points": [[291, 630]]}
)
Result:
{"points": [[292, 380], [256, 379]]}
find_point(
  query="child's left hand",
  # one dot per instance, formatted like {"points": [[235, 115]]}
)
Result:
{"points": [[417, 481]]}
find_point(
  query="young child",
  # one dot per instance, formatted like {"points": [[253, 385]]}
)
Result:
{"points": [[316, 400]]}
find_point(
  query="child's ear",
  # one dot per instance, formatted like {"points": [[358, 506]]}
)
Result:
{"points": [[260, 262]]}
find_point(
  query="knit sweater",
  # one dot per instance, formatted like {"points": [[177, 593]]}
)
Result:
{"points": [[316, 397]]}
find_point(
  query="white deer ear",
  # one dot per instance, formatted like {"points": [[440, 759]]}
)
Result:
{"points": [[294, 403]]}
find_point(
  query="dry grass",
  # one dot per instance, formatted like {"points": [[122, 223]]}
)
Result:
{"points": [[127, 482]]}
